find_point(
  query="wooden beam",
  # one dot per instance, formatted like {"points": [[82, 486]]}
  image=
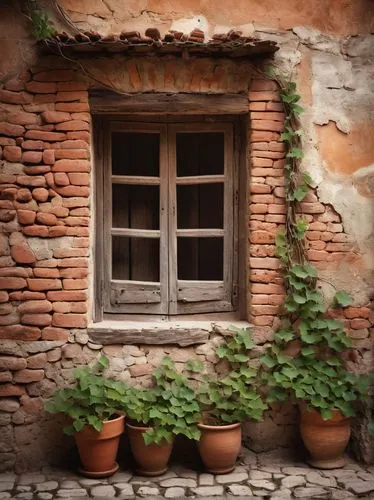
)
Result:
{"points": [[107, 102], [180, 336]]}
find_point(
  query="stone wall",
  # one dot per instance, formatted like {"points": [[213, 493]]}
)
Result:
{"points": [[46, 200]]}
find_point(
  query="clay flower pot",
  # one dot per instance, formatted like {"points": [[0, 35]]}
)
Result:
{"points": [[98, 450], [219, 446], [152, 459], [325, 440]]}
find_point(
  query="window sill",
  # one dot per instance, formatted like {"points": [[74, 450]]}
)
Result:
{"points": [[183, 333]]}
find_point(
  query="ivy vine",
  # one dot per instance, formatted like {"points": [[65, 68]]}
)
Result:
{"points": [[304, 361]]}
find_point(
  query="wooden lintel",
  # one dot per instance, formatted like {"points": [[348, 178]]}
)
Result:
{"points": [[107, 102], [181, 337]]}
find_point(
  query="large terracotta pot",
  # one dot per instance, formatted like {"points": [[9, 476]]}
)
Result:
{"points": [[325, 440], [152, 459], [98, 450], [219, 446]]}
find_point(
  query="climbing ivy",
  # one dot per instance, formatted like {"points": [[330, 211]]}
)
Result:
{"points": [[304, 360]]}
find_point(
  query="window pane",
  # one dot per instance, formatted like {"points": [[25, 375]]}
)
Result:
{"points": [[200, 258], [200, 153], [200, 206], [135, 259], [136, 206], [135, 153]]}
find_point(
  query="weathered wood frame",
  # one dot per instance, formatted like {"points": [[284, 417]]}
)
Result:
{"points": [[240, 198]]}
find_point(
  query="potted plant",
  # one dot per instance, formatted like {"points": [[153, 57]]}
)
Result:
{"points": [[92, 406], [226, 402], [157, 415], [306, 363]]}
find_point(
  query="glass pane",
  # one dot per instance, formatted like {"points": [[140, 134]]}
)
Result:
{"points": [[200, 153], [200, 258], [135, 153], [136, 207], [200, 206], [135, 259]]}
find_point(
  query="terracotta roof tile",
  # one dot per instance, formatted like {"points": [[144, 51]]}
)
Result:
{"points": [[231, 44]]}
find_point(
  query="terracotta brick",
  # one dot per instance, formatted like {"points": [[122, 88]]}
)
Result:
{"points": [[73, 262], [261, 85], [72, 86], [32, 157], [140, 370], [326, 236], [258, 299], [69, 320], [257, 106], [334, 228], [338, 247], [356, 312], [45, 136], [81, 243], [55, 75], [26, 216], [45, 218], [20, 332], [4, 297], [11, 130], [317, 255], [45, 272], [258, 208], [72, 154], [60, 253], [277, 146], [57, 231], [55, 116], [67, 295], [12, 363], [37, 170], [261, 321], [12, 283], [41, 87], [263, 135], [10, 97], [35, 230], [265, 276], [36, 319], [40, 194], [73, 125], [35, 307], [52, 333], [23, 118], [78, 212], [264, 96], [74, 284], [6, 377], [268, 288], [75, 272], [72, 191], [262, 237], [263, 263], [7, 390], [49, 156], [273, 155], [12, 153], [22, 254], [267, 125], [86, 117], [359, 323], [267, 115], [72, 107], [276, 299], [75, 202], [258, 310], [67, 165], [77, 221], [26, 376], [72, 144], [317, 245], [277, 209], [312, 208], [262, 162], [27, 295], [39, 284]]}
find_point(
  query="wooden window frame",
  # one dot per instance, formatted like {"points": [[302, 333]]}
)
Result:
{"points": [[233, 295]]}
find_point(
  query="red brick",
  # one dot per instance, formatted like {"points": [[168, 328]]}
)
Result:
{"points": [[71, 166], [23, 118], [263, 135], [260, 85], [20, 332], [46, 272], [27, 295], [257, 106], [86, 117], [75, 202], [73, 125], [268, 288], [12, 153], [72, 154], [56, 231], [262, 237], [52, 333], [276, 299], [72, 86], [36, 319], [261, 162], [258, 299], [72, 107], [4, 297], [72, 96], [72, 191], [38, 170], [12, 363], [357, 312], [10, 97], [258, 310], [74, 284], [26, 216], [262, 320], [49, 156], [31, 144], [26, 376], [67, 295], [11, 390], [46, 218], [80, 212], [55, 75], [274, 155], [358, 323], [22, 254], [267, 115], [70, 320], [277, 209], [10, 129], [41, 87], [36, 230], [263, 263], [39, 284], [312, 208], [37, 361], [30, 180], [264, 96], [12, 283], [6, 377], [81, 243], [32, 157], [268, 125], [317, 255], [274, 106], [75, 272], [40, 194], [35, 307], [73, 262], [45, 136]]}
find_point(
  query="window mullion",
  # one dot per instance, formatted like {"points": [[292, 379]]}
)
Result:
{"points": [[172, 219], [164, 223]]}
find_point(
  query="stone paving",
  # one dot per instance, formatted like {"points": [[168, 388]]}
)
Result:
{"points": [[265, 475]]}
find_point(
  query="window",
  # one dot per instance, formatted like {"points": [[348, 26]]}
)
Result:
{"points": [[169, 204]]}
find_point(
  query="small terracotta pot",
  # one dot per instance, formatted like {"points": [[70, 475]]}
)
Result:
{"points": [[152, 459], [325, 440], [219, 446], [98, 450]]}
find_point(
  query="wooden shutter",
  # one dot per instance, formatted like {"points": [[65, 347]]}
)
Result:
{"points": [[135, 223], [201, 295]]}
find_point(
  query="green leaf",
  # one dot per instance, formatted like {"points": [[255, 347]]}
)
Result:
{"points": [[103, 361], [295, 153], [300, 192], [307, 179], [268, 361], [342, 299]]}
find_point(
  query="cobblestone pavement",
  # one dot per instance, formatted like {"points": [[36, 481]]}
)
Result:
{"points": [[266, 475]]}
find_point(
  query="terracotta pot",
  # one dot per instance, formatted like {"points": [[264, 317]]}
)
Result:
{"points": [[98, 450], [325, 440], [152, 459], [219, 446]]}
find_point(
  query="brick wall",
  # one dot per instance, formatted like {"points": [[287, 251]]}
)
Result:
{"points": [[45, 244]]}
